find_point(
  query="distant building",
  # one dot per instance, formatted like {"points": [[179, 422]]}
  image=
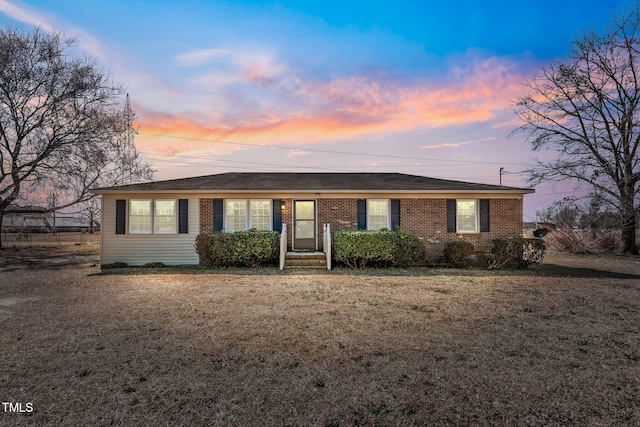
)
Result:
{"points": [[34, 219], [31, 219]]}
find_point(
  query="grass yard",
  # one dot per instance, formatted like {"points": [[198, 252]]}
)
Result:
{"points": [[557, 345]]}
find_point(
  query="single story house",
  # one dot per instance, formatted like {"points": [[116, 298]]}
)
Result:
{"points": [[159, 221], [27, 219]]}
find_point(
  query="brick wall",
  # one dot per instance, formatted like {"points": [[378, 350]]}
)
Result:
{"points": [[426, 218], [341, 214], [287, 217], [206, 215]]}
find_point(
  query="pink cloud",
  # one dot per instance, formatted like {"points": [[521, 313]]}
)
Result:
{"points": [[343, 107], [455, 144]]}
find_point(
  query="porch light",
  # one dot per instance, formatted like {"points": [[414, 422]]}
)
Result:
{"points": [[282, 205]]}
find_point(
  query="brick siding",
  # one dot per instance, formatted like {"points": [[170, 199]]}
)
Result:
{"points": [[287, 218], [341, 214], [206, 215], [426, 218]]}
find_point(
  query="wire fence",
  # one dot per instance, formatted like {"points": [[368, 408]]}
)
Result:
{"points": [[28, 240]]}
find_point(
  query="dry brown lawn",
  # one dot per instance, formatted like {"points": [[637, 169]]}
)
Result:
{"points": [[557, 345]]}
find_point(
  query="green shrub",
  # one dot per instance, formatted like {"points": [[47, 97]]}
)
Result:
{"points": [[242, 248], [204, 243], [116, 264], [358, 249], [154, 265], [410, 249], [252, 248], [458, 253], [517, 251]]}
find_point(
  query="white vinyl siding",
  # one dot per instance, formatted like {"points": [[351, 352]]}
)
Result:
{"points": [[139, 249], [378, 214], [467, 216], [243, 215]]}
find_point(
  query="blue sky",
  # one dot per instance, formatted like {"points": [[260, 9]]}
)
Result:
{"points": [[390, 86]]}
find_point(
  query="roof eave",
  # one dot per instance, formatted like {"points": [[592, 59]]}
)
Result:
{"points": [[320, 191]]}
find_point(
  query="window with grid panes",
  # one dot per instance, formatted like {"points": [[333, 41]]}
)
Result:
{"points": [[467, 216], [378, 214]]}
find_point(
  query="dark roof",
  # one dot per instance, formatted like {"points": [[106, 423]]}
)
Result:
{"points": [[15, 209], [315, 182]]}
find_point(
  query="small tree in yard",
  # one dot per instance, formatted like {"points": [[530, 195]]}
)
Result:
{"points": [[587, 109], [61, 131]]}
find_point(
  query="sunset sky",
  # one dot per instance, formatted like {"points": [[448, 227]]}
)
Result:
{"points": [[417, 87]]}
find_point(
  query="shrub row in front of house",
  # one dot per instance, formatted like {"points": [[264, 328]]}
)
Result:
{"points": [[514, 251], [358, 249], [242, 248]]}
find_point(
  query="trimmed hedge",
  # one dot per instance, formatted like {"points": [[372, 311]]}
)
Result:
{"points": [[358, 249], [517, 251], [242, 248], [458, 253], [410, 249]]}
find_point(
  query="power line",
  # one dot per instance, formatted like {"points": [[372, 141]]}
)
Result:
{"points": [[316, 150], [210, 162], [260, 164]]}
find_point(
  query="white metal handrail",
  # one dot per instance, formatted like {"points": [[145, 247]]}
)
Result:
{"points": [[326, 243], [283, 245]]}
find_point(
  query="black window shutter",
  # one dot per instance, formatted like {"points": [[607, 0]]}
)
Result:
{"points": [[277, 215], [218, 215], [121, 216], [451, 215], [484, 215], [395, 213], [362, 214], [183, 216]]}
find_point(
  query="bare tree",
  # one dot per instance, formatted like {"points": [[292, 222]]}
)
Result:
{"points": [[587, 109], [90, 211], [564, 213], [61, 129]]}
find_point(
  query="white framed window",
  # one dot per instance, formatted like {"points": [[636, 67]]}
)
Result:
{"points": [[164, 216], [246, 214], [378, 213], [148, 216], [140, 216], [260, 214], [467, 216], [236, 215]]}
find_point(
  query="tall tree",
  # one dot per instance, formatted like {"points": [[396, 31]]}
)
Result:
{"points": [[62, 131], [587, 109]]}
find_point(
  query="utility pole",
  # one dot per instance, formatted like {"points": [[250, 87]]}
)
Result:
{"points": [[128, 146]]}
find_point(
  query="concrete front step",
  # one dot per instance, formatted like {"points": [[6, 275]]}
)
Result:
{"points": [[305, 260]]}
